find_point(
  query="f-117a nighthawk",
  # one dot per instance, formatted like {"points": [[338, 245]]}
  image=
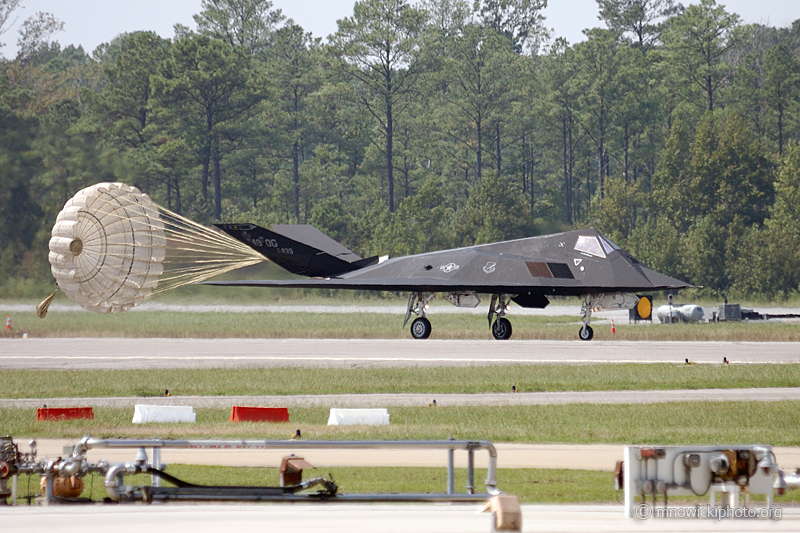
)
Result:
{"points": [[526, 271]]}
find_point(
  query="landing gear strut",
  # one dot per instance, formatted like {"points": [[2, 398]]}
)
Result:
{"points": [[417, 303], [586, 333], [501, 329]]}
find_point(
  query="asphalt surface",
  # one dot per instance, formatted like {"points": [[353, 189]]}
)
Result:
{"points": [[124, 353]]}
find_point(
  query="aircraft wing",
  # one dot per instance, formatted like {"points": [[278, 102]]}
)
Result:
{"points": [[571, 264]]}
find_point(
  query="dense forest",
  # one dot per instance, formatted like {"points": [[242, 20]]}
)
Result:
{"points": [[423, 125]]}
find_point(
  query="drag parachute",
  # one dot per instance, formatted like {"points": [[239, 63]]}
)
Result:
{"points": [[112, 247]]}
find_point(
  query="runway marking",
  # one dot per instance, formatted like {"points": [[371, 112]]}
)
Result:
{"points": [[676, 361]]}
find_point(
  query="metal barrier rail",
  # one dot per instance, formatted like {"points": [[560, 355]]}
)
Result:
{"points": [[90, 443]]}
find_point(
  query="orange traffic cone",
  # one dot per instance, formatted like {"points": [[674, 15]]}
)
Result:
{"points": [[8, 322], [613, 329]]}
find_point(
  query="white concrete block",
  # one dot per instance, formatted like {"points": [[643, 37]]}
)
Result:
{"points": [[358, 417], [143, 414]]}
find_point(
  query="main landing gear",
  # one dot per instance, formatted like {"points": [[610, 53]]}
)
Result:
{"points": [[421, 327], [501, 327]]}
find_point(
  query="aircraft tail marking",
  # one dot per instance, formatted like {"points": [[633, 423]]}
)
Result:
{"points": [[301, 249]]}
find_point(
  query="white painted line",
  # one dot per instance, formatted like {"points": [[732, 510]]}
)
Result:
{"points": [[421, 358]]}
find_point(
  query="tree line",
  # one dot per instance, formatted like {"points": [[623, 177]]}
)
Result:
{"points": [[419, 126]]}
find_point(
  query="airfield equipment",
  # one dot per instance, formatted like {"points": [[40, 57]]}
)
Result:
{"points": [[674, 313], [663, 471], [59, 474], [729, 312]]}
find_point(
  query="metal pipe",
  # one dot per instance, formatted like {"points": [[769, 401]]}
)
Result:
{"points": [[155, 481], [116, 489], [471, 471], [792, 481], [451, 478], [90, 443], [48, 488], [332, 499], [114, 479]]}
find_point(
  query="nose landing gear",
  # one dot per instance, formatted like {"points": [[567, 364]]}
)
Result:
{"points": [[586, 333], [501, 329]]}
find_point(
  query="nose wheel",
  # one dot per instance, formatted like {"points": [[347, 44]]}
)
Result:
{"points": [[421, 328], [586, 333], [501, 329]]}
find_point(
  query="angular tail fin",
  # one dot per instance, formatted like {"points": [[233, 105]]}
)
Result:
{"points": [[301, 249]]}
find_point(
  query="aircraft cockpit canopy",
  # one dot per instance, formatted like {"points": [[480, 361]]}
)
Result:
{"points": [[598, 247], [590, 245]]}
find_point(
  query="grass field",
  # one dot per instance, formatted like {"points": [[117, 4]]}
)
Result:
{"points": [[772, 423], [349, 325], [433, 380], [530, 485]]}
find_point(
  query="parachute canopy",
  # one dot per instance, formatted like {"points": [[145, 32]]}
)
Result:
{"points": [[112, 247]]}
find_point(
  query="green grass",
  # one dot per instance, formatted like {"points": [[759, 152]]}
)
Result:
{"points": [[372, 380], [348, 325], [772, 423], [530, 485]]}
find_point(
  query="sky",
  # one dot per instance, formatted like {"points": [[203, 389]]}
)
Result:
{"points": [[93, 22]]}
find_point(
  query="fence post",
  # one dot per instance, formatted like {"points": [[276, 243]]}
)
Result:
{"points": [[470, 471], [451, 480], [155, 481]]}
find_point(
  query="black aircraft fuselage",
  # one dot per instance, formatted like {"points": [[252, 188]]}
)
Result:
{"points": [[526, 271]]}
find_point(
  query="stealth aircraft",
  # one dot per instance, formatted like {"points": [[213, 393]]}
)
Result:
{"points": [[526, 271]]}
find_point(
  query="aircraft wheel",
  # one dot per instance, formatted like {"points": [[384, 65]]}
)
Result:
{"points": [[586, 333], [501, 329], [421, 328]]}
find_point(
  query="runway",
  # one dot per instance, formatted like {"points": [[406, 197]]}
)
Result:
{"points": [[123, 353], [361, 518]]}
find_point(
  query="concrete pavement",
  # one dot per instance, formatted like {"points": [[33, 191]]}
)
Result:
{"points": [[360, 518], [122, 353]]}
